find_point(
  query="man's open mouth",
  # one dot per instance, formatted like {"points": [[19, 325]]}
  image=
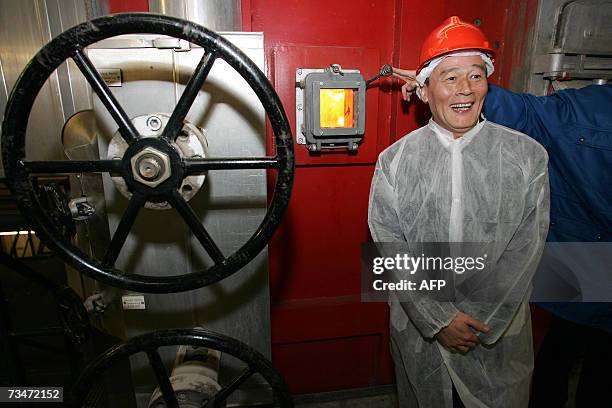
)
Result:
{"points": [[461, 107]]}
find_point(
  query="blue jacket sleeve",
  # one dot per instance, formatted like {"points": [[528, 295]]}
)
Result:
{"points": [[544, 117], [526, 113]]}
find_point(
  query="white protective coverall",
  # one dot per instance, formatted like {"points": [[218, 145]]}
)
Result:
{"points": [[489, 186]]}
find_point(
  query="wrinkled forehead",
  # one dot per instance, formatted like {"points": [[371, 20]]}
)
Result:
{"points": [[460, 64]]}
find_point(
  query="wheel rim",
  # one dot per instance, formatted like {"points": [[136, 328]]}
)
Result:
{"points": [[150, 342], [70, 44]]}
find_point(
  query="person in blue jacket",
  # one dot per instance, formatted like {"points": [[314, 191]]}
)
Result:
{"points": [[575, 127]]}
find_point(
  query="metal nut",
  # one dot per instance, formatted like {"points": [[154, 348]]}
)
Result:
{"points": [[151, 167]]}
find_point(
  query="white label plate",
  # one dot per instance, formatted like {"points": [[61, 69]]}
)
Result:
{"points": [[111, 76], [133, 302]]}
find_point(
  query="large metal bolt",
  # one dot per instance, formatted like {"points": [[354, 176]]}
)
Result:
{"points": [[150, 167]]}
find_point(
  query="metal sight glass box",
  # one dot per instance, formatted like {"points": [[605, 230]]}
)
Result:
{"points": [[330, 108]]}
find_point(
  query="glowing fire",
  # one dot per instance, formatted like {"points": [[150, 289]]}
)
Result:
{"points": [[336, 109]]}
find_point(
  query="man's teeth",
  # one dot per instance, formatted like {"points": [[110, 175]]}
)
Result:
{"points": [[461, 106]]}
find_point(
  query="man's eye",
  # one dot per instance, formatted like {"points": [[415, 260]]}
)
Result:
{"points": [[451, 78], [476, 76]]}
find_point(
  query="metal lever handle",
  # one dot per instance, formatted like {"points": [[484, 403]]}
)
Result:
{"points": [[385, 70]]}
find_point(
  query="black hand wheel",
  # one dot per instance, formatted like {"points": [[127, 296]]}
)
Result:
{"points": [[19, 171], [150, 342]]}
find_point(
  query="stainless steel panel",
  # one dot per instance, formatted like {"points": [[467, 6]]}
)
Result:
{"points": [[565, 28], [25, 26], [23, 31], [537, 50], [73, 89], [3, 93], [231, 204], [585, 28], [218, 15]]}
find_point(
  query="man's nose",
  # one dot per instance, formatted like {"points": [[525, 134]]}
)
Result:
{"points": [[464, 87]]}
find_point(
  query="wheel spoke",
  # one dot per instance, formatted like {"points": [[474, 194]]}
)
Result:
{"points": [[126, 127], [193, 166], [225, 392], [192, 221], [123, 229], [162, 378], [175, 123], [73, 166]]}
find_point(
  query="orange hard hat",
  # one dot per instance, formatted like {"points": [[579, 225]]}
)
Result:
{"points": [[453, 35]]}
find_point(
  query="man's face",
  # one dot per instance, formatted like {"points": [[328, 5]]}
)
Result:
{"points": [[455, 93]]}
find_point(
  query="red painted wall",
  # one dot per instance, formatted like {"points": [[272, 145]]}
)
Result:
{"points": [[124, 6], [323, 337]]}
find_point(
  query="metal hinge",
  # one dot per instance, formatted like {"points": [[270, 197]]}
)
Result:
{"points": [[175, 44]]}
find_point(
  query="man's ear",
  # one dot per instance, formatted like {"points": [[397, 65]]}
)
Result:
{"points": [[424, 93]]}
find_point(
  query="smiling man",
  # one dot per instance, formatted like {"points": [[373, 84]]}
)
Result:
{"points": [[462, 178], [455, 92]]}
